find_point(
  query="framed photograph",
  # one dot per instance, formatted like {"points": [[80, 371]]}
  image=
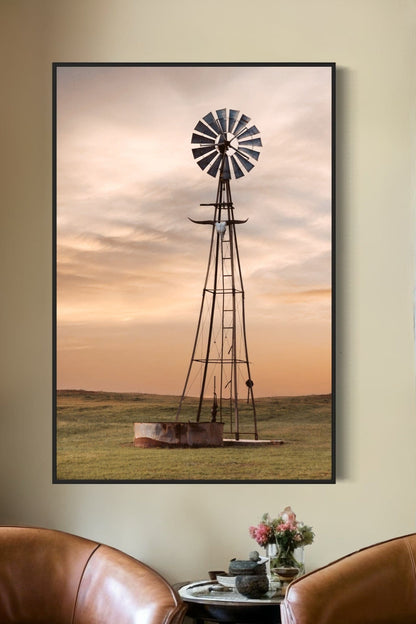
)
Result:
{"points": [[194, 281]]}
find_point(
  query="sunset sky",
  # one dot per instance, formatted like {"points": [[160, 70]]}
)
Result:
{"points": [[131, 266]]}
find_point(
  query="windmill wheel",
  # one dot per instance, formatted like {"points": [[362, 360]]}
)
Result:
{"points": [[224, 139]]}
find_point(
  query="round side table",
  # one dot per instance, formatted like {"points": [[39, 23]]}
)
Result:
{"points": [[229, 607]]}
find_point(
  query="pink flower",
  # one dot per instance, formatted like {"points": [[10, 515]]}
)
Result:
{"points": [[262, 533], [288, 515], [285, 526], [285, 530]]}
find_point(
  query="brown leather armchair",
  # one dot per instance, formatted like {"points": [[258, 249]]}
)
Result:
{"points": [[375, 585], [51, 577]]}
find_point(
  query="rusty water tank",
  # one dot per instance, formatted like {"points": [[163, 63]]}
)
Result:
{"points": [[178, 434]]}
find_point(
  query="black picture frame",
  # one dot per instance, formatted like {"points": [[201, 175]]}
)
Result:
{"points": [[117, 129]]}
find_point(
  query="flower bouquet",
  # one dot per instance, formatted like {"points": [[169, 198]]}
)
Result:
{"points": [[287, 533]]}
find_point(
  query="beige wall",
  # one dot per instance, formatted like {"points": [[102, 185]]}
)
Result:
{"points": [[184, 530]]}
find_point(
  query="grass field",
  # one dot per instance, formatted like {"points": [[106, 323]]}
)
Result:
{"points": [[94, 434]]}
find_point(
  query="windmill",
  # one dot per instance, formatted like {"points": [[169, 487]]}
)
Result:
{"points": [[226, 147]]}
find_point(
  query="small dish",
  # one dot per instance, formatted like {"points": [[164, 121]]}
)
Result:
{"points": [[226, 581]]}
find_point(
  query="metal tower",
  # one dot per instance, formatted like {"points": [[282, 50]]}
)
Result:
{"points": [[219, 362]]}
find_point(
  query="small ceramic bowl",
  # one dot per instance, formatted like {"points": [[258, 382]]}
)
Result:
{"points": [[227, 581]]}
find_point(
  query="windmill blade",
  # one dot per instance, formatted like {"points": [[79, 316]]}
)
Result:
{"points": [[213, 170], [212, 122], [232, 120], [249, 132], [221, 142], [249, 152], [198, 138], [252, 143], [241, 124], [201, 127], [200, 151], [225, 174], [204, 162], [222, 118], [237, 171], [248, 166]]}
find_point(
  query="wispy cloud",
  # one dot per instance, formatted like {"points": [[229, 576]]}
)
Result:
{"points": [[127, 182]]}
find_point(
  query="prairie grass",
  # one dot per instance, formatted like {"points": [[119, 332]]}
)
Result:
{"points": [[94, 434]]}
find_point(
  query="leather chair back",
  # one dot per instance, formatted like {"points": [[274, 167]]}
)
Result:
{"points": [[51, 577], [375, 585]]}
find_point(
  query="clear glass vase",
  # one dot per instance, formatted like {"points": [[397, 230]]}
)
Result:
{"points": [[271, 554], [290, 558], [299, 555]]}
